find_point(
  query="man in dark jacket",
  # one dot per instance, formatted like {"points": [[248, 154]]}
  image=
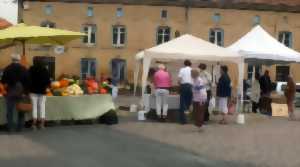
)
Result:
{"points": [[223, 93], [16, 80], [266, 89]]}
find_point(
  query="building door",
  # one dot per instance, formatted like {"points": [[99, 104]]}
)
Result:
{"points": [[118, 70], [88, 68], [49, 63]]}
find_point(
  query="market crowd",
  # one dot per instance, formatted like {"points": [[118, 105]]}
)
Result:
{"points": [[196, 90]]}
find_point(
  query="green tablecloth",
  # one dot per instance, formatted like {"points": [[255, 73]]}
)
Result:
{"points": [[71, 107]]}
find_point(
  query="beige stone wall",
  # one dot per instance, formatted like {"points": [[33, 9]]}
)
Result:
{"points": [[141, 24]]}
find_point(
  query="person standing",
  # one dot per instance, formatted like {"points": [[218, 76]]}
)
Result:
{"points": [[199, 98], [223, 93], [186, 94], [207, 80], [162, 83], [289, 93], [40, 81], [266, 88], [255, 93], [16, 80]]}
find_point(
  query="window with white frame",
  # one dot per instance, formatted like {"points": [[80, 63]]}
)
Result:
{"points": [[163, 35], [119, 36], [48, 9], [251, 72], [90, 31], [88, 67], [216, 36], [90, 11], [286, 38], [120, 12]]}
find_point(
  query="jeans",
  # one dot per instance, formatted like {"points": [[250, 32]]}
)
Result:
{"points": [[186, 96], [162, 101], [38, 105], [10, 109]]}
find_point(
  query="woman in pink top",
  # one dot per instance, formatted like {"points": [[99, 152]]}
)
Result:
{"points": [[162, 83]]}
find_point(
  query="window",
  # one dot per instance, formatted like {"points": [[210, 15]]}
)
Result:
{"points": [[164, 14], [163, 35], [286, 38], [49, 62], [216, 36], [48, 24], [282, 72], [216, 17], [90, 38], [90, 11], [256, 20], [119, 35], [48, 9], [120, 12], [118, 69], [88, 67], [250, 70]]}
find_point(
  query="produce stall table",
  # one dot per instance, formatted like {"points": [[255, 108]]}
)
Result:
{"points": [[150, 102], [71, 107]]}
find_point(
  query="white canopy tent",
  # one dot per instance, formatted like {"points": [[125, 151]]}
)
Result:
{"points": [[186, 47], [259, 44]]}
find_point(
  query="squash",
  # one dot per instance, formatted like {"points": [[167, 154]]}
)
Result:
{"points": [[55, 85]]}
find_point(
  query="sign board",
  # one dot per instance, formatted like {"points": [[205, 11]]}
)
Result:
{"points": [[279, 110]]}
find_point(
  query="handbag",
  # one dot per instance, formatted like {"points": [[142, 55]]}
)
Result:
{"points": [[24, 104]]}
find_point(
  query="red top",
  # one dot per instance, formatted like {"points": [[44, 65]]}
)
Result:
{"points": [[162, 79]]}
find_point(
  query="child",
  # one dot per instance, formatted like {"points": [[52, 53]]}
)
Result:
{"points": [[199, 98]]}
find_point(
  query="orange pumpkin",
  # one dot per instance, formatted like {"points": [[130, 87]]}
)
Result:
{"points": [[64, 83], [103, 91], [2, 89]]}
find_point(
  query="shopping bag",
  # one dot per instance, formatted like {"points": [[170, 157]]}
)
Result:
{"points": [[212, 105], [24, 104]]}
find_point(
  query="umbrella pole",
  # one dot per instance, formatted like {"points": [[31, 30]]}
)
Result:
{"points": [[23, 58]]}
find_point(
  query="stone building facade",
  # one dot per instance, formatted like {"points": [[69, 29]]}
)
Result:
{"points": [[118, 29]]}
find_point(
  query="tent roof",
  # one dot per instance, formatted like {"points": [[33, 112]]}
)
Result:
{"points": [[190, 47], [259, 44]]}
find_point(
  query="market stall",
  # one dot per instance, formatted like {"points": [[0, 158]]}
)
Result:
{"points": [[181, 48], [71, 107], [259, 47]]}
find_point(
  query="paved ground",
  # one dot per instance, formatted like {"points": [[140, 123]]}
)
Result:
{"points": [[262, 142], [90, 146]]}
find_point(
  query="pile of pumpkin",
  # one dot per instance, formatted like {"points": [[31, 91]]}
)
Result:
{"points": [[65, 87], [92, 87]]}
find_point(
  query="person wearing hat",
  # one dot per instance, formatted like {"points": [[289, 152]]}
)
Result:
{"points": [[16, 80]]}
